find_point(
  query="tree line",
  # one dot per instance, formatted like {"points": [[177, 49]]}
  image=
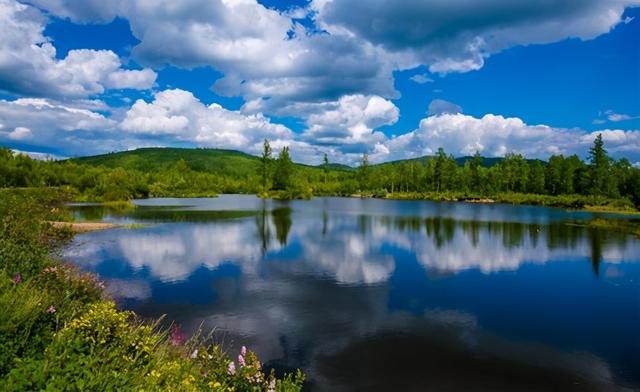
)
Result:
{"points": [[277, 176]]}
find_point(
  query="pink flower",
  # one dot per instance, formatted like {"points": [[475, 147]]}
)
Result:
{"points": [[177, 336], [241, 360], [272, 385], [17, 279], [51, 309], [232, 368], [243, 351]]}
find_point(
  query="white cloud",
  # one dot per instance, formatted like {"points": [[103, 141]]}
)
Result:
{"points": [[350, 121], [344, 129], [421, 78], [457, 35], [617, 117], [273, 62], [46, 124], [182, 116], [20, 133], [263, 54], [495, 135], [28, 63], [45, 116]]}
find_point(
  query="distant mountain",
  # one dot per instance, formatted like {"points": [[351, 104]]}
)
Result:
{"points": [[230, 162]]}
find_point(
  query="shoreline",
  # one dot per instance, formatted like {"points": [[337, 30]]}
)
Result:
{"points": [[567, 202]]}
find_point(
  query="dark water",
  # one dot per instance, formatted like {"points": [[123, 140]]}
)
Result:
{"points": [[386, 295]]}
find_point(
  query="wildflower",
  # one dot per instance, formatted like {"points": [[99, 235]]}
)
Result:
{"points": [[51, 309], [241, 360], [272, 385], [177, 336], [194, 354], [232, 368], [243, 351], [17, 279]]}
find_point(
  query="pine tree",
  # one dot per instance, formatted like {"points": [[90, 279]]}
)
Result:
{"points": [[284, 170], [599, 165], [265, 163], [363, 171], [325, 166], [476, 164]]}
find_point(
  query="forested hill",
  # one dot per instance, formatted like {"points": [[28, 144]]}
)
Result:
{"points": [[229, 162], [212, 160]]}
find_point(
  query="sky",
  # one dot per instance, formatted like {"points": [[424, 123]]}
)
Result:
{"points": [[391, 78]]}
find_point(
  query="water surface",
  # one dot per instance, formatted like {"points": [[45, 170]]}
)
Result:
{"points": [[367, 294]]}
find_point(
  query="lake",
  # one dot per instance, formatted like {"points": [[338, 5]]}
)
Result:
{"points": [[367, 294]]}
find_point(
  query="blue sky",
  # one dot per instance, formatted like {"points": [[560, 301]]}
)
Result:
{"points": [[394, 79]]}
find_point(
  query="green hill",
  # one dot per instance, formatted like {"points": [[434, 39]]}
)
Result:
{"points": [[227, 162]]}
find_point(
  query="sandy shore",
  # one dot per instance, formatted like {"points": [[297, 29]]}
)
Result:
{"points": [[83, 227]]}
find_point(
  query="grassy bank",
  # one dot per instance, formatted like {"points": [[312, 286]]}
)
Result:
{"points": [[58, 330], [590, 203]]}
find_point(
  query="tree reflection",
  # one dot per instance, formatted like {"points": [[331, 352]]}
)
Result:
{"points": [[282, 221], [558, 235], [262, 224]]}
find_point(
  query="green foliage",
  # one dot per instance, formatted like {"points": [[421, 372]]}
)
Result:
{"points": [[282, 177], [265, 165]]}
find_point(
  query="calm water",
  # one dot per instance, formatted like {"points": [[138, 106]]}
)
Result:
{"points": [[386, 295]]}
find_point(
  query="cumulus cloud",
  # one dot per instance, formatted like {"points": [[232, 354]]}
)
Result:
{"points": [[495, 135], [181, 115], [40, 124], [350, 47], [41, 116], [262, 53], [344, 129], [458, 35], [28, 63], [349, 124]]}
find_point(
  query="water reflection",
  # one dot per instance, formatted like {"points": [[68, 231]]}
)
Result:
{"points": [[360, 292]]}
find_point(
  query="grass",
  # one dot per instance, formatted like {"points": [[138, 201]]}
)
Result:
{"points": [[119, 205], [580, 202], [59, 331]]}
